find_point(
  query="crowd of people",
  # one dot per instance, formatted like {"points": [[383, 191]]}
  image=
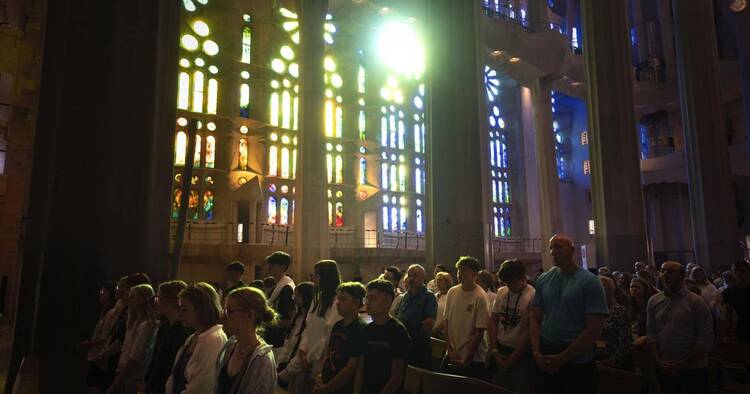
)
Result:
{"points": [[545, 335]]}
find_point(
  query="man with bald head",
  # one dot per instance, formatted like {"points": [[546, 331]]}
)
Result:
{"points": [[567, 317], [417, 311], [680, 334]]}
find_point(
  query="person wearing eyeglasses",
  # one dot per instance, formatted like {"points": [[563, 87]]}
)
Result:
{"points": [[170, 337], [246, 364], [680, 334]]}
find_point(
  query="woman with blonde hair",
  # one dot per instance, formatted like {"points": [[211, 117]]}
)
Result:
{"points": [[246, 363], [139, 340], [194, 370], [443, 281]]}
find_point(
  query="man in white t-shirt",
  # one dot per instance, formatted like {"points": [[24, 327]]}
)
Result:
{"points": [[466, 315], [509, 325]]}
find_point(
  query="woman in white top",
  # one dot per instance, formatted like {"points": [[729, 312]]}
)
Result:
{"points": [[139, 340], [321, 318], [444, 281], [246, 364], [303, 296], [194, 370], [486, 281]]}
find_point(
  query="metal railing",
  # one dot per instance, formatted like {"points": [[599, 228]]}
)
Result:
{"points": [[205, 232], [350, 238], [516, 245], [503, 9]]}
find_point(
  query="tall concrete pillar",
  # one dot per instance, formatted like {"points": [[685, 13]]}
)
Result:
{"points": [[740, 21], [712, 205], [666, 33], [546, 165], [615, 175], [457, 224], [101, 178], [311, 224], [538, 15]]}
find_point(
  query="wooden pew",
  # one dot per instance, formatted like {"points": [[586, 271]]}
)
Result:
{"points": [[620, 381]]}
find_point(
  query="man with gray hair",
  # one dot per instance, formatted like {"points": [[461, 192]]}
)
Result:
{"points": [[417, 311]]}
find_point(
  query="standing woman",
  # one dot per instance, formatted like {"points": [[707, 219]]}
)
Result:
{"points": [[640, 292], [108, 357], [320, 319], [194, 370], [107, 300], [444, 282], [139, 340], [246, 364], [303, 296]]}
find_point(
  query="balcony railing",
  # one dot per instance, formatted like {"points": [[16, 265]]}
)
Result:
{"points": [[503, 9], [351, 238], [516, 245]]}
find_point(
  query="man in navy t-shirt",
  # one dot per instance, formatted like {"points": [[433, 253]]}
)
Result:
{"points": [[567, 317]]}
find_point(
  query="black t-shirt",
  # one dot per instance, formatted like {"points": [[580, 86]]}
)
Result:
{"points": [[284, 306], [739, 299], [169, 339], [382, 345], [345, 343]]}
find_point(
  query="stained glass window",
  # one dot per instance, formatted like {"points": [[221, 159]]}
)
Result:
{"points": [[180, 148], [197, 157], [176, 202], [183, 91], [273, 157], [499, 181], [245, 100], [247, 40], [362, 171], [194, 202], [285, 162], [272, 210], [243, 154], [210, 151], [284, 212], [208, 204]]}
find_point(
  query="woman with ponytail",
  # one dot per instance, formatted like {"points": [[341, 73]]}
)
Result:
{"points": [[246, 364]]}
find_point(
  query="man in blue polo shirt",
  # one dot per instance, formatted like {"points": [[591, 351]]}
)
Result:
{"points": [[417, 311], [567, 317]]}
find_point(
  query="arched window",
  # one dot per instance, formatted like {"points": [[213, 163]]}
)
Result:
{"points": [[419, 221], [285, 162], [362, 171], [385, 218], [274, 109], [208, 204], [294, 163], [498, 130], [402, 178], [329, 167], [245, 100], [247, 39], [418, 180], [339, 169], [394, 219], [272, 210], [284, 212], [176, 202], [197, 156], [404, 219], [330, 213], [213, 94], [210, 151], [339, 214], [394, 178], [243, 154], [273, 163], [286, 109], [183, 91], [180, 148], [198, 91], [194, 202], [384, 176]]}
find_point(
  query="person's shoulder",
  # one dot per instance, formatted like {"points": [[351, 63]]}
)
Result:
{"points": [[584, 274], [547, 275], [396, 325], [658, 297]]}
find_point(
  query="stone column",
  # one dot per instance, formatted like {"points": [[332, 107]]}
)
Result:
{"points": [[311, 225], [712, 205], [740, 21], [546, 165], [457, 220], [640, 30], [667, 37], [538, 15], [100, 185], [615, 175]]}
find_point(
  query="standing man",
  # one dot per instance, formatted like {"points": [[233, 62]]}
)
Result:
{"points": [[386, 344], [680, 334], [466, 316], [738, 297], [509, 327], [281, 297], [233, 278], [567, 317], [417, 311]]}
